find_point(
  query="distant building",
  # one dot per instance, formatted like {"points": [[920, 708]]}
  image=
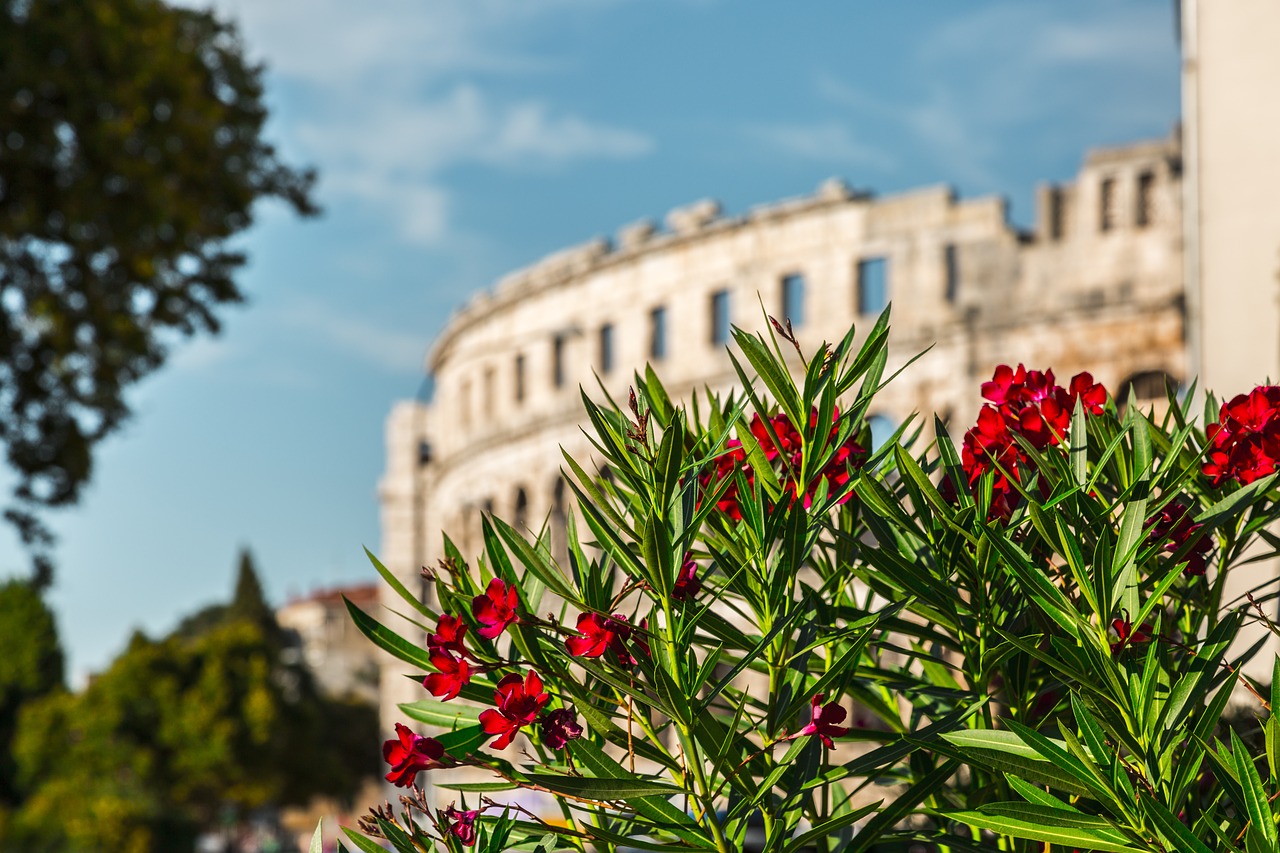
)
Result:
{"points": [[343, 661]]}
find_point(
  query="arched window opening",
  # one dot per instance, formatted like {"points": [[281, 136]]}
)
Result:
{"points": [[521, 514], [882, 428], [559, 522], [1149, 386]]}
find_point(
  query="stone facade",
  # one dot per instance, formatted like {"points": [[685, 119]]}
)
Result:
{"points": [[1232, 202], [1097, 286]]}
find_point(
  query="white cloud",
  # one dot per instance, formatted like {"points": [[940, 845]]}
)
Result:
{"points": [[393, 154], [824, 142], [378, 345], [392, 100]]}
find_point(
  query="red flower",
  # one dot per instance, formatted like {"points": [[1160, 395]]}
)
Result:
{"points": [[825, 722], [460, 824], [454, 674], [449, 636], [1083, 388], [733, 458], [687, 584], [1245, 443], [1174, 527], [409, 754], [1127, 635], [496, 609], [559, 727], [519, 702], [788, 444], [598, 634]]}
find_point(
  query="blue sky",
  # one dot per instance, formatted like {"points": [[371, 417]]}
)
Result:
{"points": [[458, 139]]}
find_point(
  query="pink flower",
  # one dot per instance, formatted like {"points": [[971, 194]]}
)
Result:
{"points": [[825, 722], [559, 727], [409, 754], [687, 584], [495, 609], [454, 674], [460, 824], [519, 702]]}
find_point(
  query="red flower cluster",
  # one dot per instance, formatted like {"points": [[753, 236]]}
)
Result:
{"points": [[448, 655], [460, 824], [1244, 445], [409, 754], [598, 634], [785, 453], [1028, 403], [825, 722], [519, 702], [1174, 527], [495, 609]]}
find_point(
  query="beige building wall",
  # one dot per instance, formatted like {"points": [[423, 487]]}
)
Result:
{"points": [[1231, 63], [1231, 115]]}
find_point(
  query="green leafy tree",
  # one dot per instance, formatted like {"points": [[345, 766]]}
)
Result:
{"points": [[179, 731], [30, 667], [248, 602], [131, 153]]}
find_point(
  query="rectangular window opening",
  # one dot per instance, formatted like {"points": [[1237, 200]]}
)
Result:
{"points": [[873, 285], [489, 381], [519, 378], [557, 361], [793, 299], [658, 332], [952, 262], [720, 318], [1144, 214], [606, 348], [1107, 204], [1057, 214]]}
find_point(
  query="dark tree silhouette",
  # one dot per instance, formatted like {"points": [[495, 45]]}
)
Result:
{"points": [[130, 153]]}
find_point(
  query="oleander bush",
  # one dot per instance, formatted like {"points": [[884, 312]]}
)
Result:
{"points": [[760, 631]]}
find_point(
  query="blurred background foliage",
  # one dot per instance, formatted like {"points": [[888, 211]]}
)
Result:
{"points": [[176, 737]]}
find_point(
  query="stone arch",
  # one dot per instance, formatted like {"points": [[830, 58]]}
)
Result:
{"points": [[1149, 386]]}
